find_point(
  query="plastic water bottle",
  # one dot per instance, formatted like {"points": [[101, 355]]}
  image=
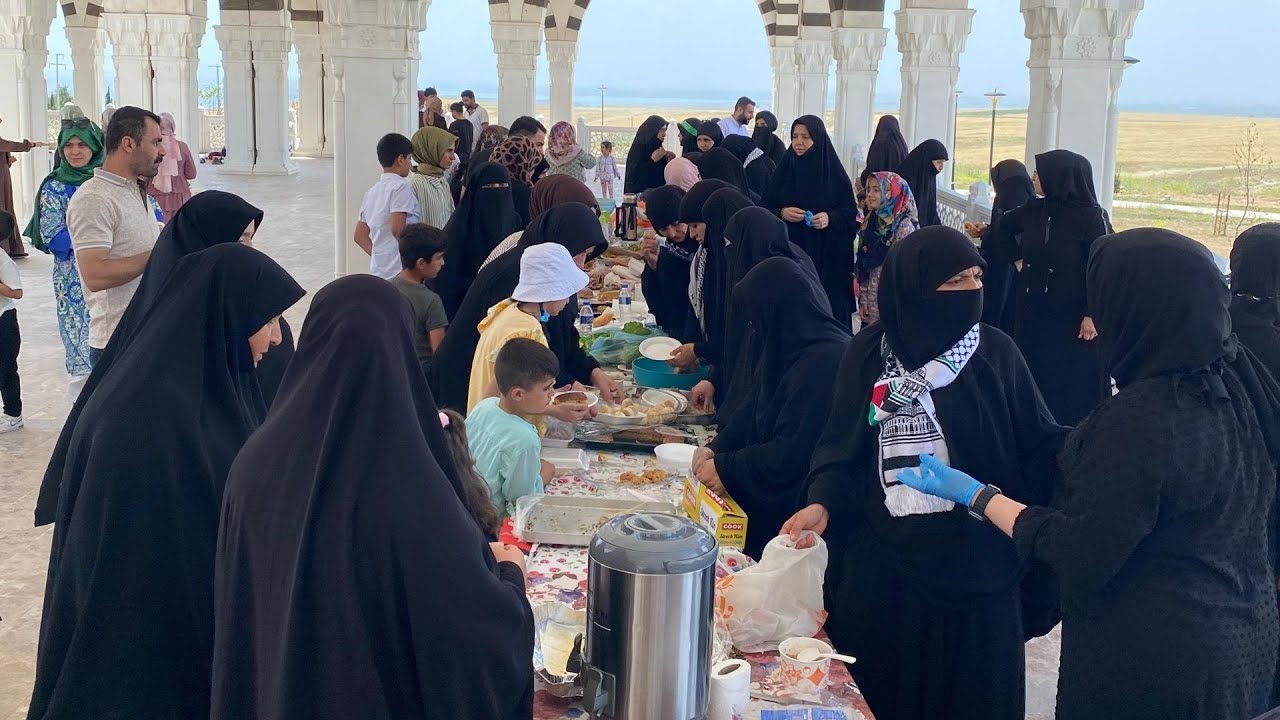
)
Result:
{"points": [[586, 318], [624, 301]]}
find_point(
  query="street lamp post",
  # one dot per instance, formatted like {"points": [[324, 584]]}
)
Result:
{"points": [[217, 69], [955, 132], [602, 88], [994, 96]]}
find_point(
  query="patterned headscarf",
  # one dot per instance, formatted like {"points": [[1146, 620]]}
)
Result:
{"points": [[490, 137], [563, 145], [519, 156], [430, 144], [169, 165], [896, 203]]}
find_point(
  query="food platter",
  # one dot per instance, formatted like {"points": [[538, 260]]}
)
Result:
{"points": [[570, 520]]}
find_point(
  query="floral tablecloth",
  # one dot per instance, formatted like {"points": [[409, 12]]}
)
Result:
{"points": [[559, 574]]}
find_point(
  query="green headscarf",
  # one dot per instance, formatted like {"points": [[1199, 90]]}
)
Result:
{"points": [[429, 145], [89, 133]]}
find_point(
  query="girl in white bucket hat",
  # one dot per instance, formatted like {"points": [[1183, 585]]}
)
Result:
{"points": [[549, 279]]}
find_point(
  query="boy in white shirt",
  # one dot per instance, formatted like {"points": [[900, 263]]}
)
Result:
{"points": [[388, 207], [10, 339]]}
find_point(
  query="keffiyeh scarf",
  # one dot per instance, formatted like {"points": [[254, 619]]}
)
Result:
{"points": [[697, 274], [901, 404]]}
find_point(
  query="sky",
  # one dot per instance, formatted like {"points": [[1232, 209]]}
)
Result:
{"points": [[704, 51]]}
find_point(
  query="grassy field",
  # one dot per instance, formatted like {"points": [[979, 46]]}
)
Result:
{"points": [[1166, 159]]}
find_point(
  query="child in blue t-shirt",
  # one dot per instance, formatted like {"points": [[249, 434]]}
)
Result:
{"points": [[506, 447]]}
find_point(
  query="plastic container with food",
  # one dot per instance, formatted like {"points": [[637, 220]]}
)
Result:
{"points": [[658, 374]]}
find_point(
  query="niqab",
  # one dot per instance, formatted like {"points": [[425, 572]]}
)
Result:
{"points": [[766, 138], [1013, 187], [141, 489], [1255, 290], [1067, 179], [324, 575], [921, 322], [485, 217], [922, 175]]}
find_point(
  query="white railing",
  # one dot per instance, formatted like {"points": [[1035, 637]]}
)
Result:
{"points": [[956, 209], [213, 131]]}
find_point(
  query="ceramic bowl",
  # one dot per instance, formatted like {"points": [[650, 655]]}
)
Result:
{"points": [[805, 677]]}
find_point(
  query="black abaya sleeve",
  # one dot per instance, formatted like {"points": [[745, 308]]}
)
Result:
{"points": [[765, 466], [472, 657], [272, 366], [562, 336], [846, 432], [1007, 234]]}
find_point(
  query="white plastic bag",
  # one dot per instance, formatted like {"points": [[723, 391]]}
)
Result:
{"points": [[778, 598]]}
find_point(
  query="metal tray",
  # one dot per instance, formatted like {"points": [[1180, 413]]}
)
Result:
{"points": [[564, 520]]}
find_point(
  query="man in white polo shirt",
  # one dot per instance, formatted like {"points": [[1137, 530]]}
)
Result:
{"points": [[112, 222], [744, 111]]}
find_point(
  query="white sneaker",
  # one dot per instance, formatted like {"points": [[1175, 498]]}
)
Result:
{"points": [[8, 423]]}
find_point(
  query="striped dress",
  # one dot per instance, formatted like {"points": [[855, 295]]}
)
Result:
{"points": [[433, 197]]}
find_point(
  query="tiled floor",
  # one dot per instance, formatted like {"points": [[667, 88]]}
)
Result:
{"points": [[297, 232]]}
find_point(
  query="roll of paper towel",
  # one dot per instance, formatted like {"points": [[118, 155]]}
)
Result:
{"points": [[730, 690]]}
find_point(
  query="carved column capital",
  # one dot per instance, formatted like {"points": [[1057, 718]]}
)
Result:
{"points": [[932, 38], [858, 48], [562, 52]]}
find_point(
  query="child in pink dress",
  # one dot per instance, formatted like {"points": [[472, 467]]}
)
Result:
{"points": [[607, 169]]}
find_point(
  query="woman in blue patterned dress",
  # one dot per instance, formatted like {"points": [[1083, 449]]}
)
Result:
{"points": [[80, 151]]}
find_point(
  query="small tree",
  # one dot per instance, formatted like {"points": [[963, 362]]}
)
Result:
{"points": [[209, 94], [1252, 165], [108, 97], [59, 98]]}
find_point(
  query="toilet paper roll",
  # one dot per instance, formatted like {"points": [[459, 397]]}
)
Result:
{"points": [[730, 690]]}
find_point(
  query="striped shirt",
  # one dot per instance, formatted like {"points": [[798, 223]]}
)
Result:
{"points": [[434, 198]]}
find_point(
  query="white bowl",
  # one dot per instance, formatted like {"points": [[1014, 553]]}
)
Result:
{"points": [[676, 457], [659, 348]]}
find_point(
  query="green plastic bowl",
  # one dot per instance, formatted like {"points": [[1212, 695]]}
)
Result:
{"points": [[658, 374]]}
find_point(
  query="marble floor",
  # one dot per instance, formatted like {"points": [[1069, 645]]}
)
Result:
{"points": [[298, 233]]}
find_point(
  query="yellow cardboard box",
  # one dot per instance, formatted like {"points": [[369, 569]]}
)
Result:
{"points": [[720, 514]]}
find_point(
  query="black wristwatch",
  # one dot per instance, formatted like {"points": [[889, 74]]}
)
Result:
{"points": [[978, 506]]}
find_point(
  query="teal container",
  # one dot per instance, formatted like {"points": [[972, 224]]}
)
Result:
{"points": [[659, 374]]}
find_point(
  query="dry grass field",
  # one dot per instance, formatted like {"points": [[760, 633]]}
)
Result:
{"points": [[1162, 159]]}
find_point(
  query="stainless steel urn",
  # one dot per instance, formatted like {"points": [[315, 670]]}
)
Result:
{"points": [[650, 587]]}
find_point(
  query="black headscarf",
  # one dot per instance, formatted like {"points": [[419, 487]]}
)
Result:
{"points": [[888, 148], [720, 164], [711, 129], [642, 172], [1066, 179], [788, 314], [662, 206], [754, 235], [691, 206], [756, 166], [465, 132], [128, 611], [1013, 189], [689, 135], [921, 174], [1160, 305], [817, 182], [920, 322], [324, 578], [1255, 279], [484, 218], [766, 139], [572, 225], [209, 218]]}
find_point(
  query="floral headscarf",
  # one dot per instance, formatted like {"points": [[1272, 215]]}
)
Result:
{"points": [[519, 156], [563, 145], [897, 204]]}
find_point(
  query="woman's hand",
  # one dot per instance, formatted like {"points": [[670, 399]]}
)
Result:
{"points": [[942, 481], [1087, 330], [792, 214], [609, 389], [975, 230], [649, 250], [657, 155], [683, 357], [820, 221], [703, 396], [700, 456], [813, 517], [707, 474], [507, 553]]}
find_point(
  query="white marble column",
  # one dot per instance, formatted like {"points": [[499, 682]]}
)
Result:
{"points": [[1077, 63], [786, 85], [857, 51], [315, 90], [517, 45], [931, 40], [174, 41], [131, 54], [374, 61], [87, 43], [24, 27], [561, 57], [813, 63], [255, 62]]}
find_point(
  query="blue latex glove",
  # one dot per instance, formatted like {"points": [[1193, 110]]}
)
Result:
{"points": [[808, 218], [934, 478]]}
